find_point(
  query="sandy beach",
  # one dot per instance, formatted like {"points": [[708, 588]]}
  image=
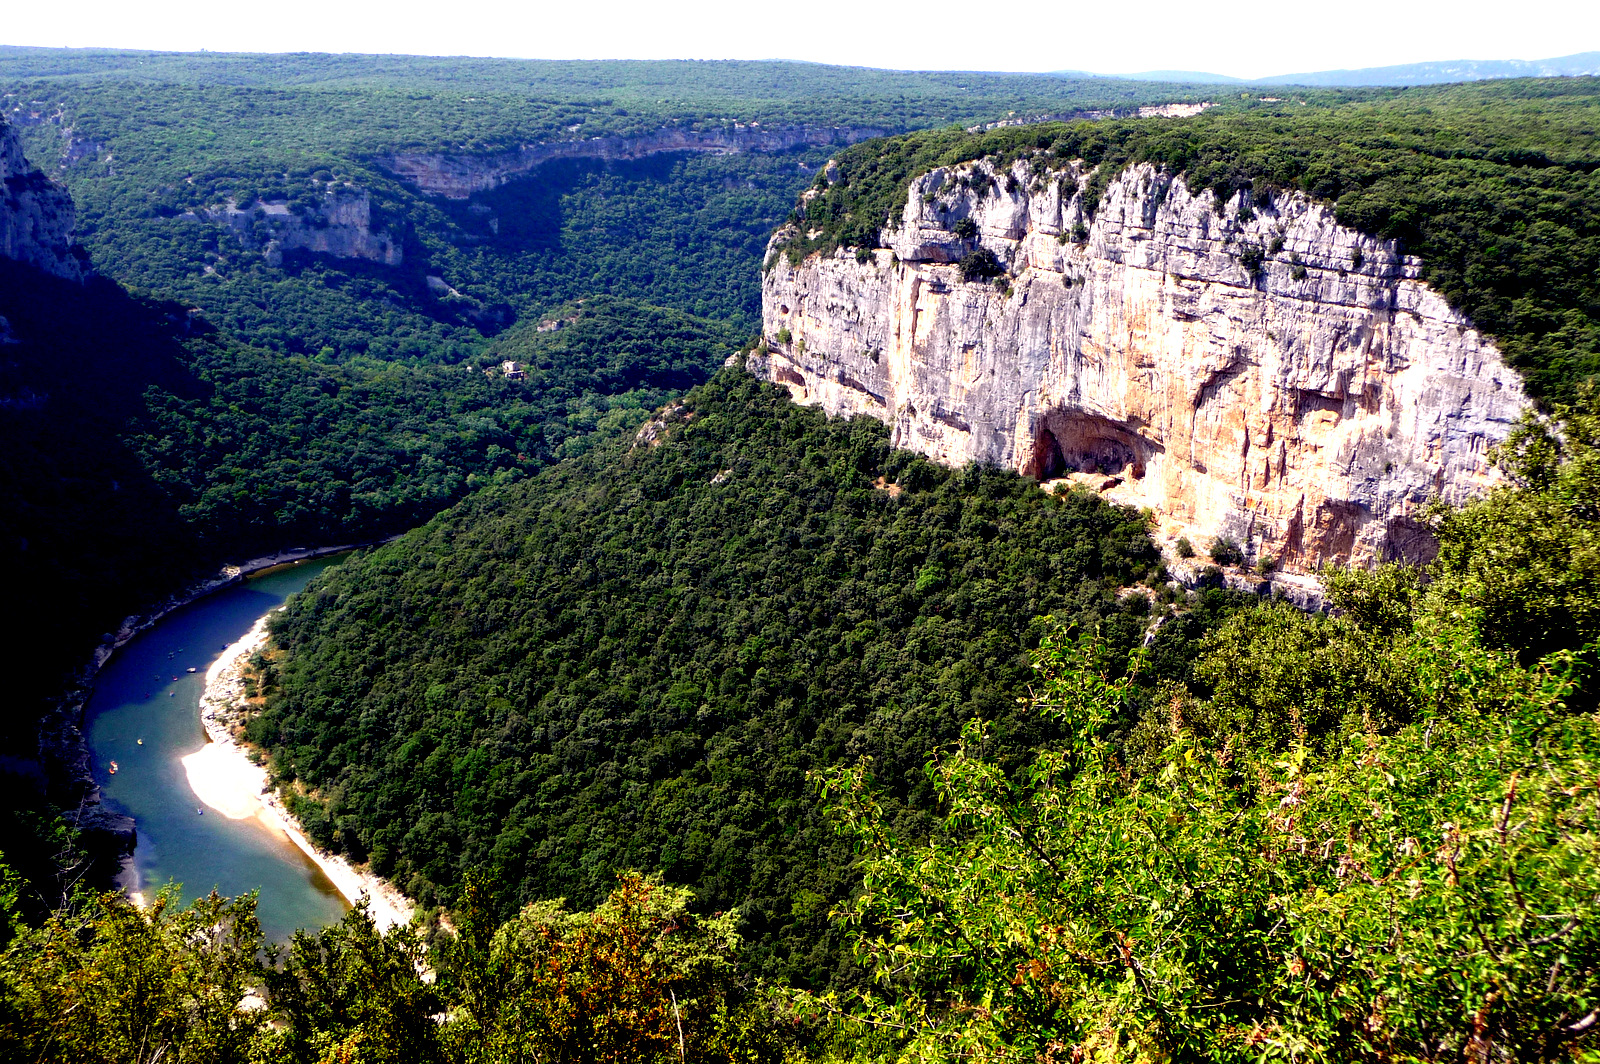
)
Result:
{"points": [[224, 778]]}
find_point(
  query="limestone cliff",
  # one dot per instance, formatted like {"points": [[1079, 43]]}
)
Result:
{"points": [[340, 226], [36, 215], [1162, 110], [76, 148], [1248, 368], [459, 176]]}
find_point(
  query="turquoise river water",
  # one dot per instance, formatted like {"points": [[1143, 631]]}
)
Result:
{"points": [[146, 692]]}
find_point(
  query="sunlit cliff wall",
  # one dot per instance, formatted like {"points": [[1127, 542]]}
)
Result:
{"points": [[1250, 368]]}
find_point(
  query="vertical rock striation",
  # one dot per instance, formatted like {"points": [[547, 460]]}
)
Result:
{"points": [[1249, 368], [341, 226], [36, 215]]}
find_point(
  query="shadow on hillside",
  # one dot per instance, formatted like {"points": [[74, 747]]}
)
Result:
{"points": [[86, 535]]}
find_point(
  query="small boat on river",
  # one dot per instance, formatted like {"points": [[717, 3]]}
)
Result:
{"points": [[113, 768]]}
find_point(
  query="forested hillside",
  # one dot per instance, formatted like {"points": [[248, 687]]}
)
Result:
{"points": [[531, 98], [143, 448], [288, 345], [634, 658], [147, 139], [681, 230], [1374, 837], [1495, 186], [204, 447]]}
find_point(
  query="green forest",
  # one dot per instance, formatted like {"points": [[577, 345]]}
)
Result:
{"points": [[205, 448], [525, 99], [1369, 836], [633, 659], [147, 137], [143, 448], [680, 229], [703, 727]]}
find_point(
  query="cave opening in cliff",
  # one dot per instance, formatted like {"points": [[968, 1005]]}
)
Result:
{"points": [[1068, 441]]}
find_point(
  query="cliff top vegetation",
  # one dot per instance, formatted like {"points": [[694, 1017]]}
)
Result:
{"points": [[472, 104], [634, 658], [922, 752]]}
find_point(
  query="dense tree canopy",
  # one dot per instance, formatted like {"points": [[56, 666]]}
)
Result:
{"points": [[136, 419], [142, 449], [1417, 884], [387, 102], [1370, 836], [633, 659], [145, 139], [226, 401], [638, 979], [1423, 893]]}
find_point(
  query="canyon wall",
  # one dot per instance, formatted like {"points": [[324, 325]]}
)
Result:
{"points": [[1162, 110], [458, 176], [36, 215], [341, 226], [1248, 369]]}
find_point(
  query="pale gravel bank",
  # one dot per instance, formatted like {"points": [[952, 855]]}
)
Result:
{"points": [[223, 777]]}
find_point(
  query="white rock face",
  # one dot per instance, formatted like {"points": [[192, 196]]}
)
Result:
{"points": [[341, 227], [1164, 110], [1250, 370], [36, 215]]}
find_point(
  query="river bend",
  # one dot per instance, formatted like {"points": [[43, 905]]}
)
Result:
{"points": [[150, 691]]}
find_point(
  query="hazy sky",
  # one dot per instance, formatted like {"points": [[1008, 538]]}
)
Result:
{"points": [[1245, 40]]}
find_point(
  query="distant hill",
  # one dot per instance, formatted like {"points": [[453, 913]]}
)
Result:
{"points": [[1437, 73], [1186, 77], [1447, 71]]}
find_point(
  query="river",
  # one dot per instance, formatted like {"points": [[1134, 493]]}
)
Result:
{"points": [[150, 691]]}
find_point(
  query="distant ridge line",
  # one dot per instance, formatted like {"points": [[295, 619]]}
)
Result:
{"points": [[1438, 72]]}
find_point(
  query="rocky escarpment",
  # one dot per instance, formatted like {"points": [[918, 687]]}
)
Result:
{"points": [[1161, 110], [1249, 368], [76, 147], [36, 215], [341, 226], [459, 176]]}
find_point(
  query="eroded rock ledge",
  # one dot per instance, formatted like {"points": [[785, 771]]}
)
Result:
{"points": [[341, 226], [1249, 369], [458, 176], [36, 215]]}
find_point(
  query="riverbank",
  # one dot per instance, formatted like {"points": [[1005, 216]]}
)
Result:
{"points": [[227, 576], [226, 780], [64, 755]]}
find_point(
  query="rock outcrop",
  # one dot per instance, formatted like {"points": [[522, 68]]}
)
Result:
{"points": [[76, 148], [36, 215], [340, 226], [1162, 110], [458, 176], [1250, 369]]}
